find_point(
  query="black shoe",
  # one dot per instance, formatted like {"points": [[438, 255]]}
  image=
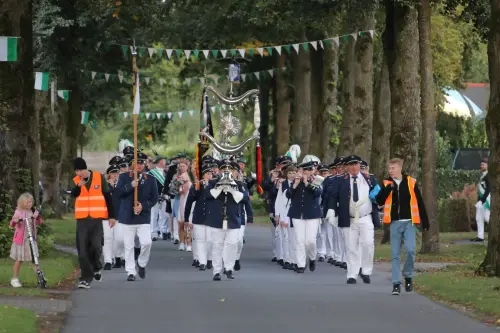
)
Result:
{"points": [[274, 259], [330, 261], [237, 266], [137, 252], [338, 264], [176, 242], [118, 263], [155, 239], [83, 285], [280, 262], [230, 275], [209, 264], [286, 265], [408, 285], [396, 289], [301, 270], [197, 264], [344, 265], [164, 236], [351, 281], [201, 267], [216, 277], [312, 265], [291, 267], [365, 278], [321, 259], [244, 241], [107, 266], [98, 276], [142, 272], [295, 267], [194, 263], [130, 277], [169, 236], [477, 239]]}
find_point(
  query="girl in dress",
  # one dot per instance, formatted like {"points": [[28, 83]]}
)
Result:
{"points": [[184, 183], [20, 250]]}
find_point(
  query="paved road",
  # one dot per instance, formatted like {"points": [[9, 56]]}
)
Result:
{"points": [[263, 298]]}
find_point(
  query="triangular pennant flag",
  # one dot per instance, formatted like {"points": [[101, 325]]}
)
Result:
{"points": [[233, 52], [125, 114], [278, 49], [196, 53], [137, 100], [187, 53], [161, 82], [169, 114], [8, 48], [147, 80], [191, 112], [287, 48], [205, 53], [98, 44], [336, 41], [124, 50], [243, 76], [261, 50], [355, 36], [169, 53], [106, 76], [242, 52], [296, 47], [142, 50], [269, 50], [321, 44], [180, 114], [314, 44], [93, 75], [120, 77], [202, 80], [85, 118], [215, 53], [131, 49], [251, 52], [159, 51], [164, 116], [174, 82], [224, 52], [64, 94], [345, 38], [305, 46], [158, 115], [257, 75], [178, 53], [188, 81], [151, 52], [212, 108], [271, 72], [42, 81], [148, 115], [372, 32]]}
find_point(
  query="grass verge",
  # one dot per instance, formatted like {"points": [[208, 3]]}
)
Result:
{"points": [[13, 319], [64, 230]]}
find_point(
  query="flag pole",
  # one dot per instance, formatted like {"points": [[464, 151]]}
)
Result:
{"points": [[135, 70]]}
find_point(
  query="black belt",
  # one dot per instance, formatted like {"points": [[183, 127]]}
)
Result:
{"points": [[352, 217]]}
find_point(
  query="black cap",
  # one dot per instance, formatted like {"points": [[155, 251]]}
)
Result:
{"points": [[332, 165], [113, 168], [206, 168], [323, 167], [484, 160], [127, 151], [117, 160], [353, 159], [79, 164], [141, 157], [235, 165], [341, 161], [307, 165], [363, 164], [226, 163]]}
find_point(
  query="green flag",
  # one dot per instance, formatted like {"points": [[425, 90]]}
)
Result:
{"points": [[85, 117], [64, 94], [8, 48]]}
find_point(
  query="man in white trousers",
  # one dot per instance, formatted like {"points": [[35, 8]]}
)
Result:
{"points": [[224, 219], [483, 201], [246, 215], [112, 174], [135, 220], [356, 215], [159, 216]]}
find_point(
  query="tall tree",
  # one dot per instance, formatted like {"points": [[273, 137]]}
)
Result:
{"points": [[282, 108], [430, 238]]}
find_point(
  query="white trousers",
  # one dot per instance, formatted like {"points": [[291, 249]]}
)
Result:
{"points": [[240, 242], [360, 245], [118, 245], [339, 253], [109, 235], [279, 242], [273, 240], [306, 232], [202, 243], [482, 216], [175, 227], [292, 245], [325, 240], [285, 243], [224, 246], [159, 219], [143, 232]]}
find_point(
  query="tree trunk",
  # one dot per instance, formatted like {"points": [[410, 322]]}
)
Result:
{"points": [[491, 263], [357, 119], [264, 127], [317, 109], [302, 122], [401, 43], [430, 239], [282, 109], [330, 117], [381, 135]]}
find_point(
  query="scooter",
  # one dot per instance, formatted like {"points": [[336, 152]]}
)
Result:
{"points": [[35, 254]]}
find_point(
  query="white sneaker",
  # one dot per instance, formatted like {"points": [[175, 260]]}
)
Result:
{"points": [[15, 283], [189, 249], [182, 247]]}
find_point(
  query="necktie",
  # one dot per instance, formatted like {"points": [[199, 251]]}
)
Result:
{"points": [[355, 195]]}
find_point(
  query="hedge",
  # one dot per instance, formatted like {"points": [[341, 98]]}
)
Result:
{"points": [[449, 181]]}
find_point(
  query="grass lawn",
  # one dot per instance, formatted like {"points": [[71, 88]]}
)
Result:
{"points": [[56, 266], [17, 320], [64, 230]]}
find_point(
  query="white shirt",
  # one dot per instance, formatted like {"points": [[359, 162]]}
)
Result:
{"points": [[282, 203], [363, 205]]}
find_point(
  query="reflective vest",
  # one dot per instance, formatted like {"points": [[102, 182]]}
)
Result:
{"points": [[91, 202], [415, 216]]}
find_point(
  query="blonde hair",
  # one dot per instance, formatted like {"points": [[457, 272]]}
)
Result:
{"points": [[397, 161], [23, 198]]}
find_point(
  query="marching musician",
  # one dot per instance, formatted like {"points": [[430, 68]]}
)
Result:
{"points": [[118, 246], [112, 174], [136, 220], [159, 223], [325, 239], [247, 178], [305, 213], [246, 212]]}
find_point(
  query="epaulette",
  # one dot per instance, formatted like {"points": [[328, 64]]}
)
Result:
{"points": [[131, 173]]}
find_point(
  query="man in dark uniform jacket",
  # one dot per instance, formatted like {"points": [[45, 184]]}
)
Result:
{"points": [[246, 215]]}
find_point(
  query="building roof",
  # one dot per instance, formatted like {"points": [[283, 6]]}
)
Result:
{"points": [[479, 93]]}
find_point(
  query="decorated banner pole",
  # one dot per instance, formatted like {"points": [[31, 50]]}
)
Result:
{"points": [[135, 70]]}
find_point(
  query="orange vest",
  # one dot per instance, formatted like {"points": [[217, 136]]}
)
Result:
{"points": [[415, 216], [91, 202]]}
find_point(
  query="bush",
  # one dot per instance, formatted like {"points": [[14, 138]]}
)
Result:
{"points": [[44, 233], [457, 213], [449, 181]]}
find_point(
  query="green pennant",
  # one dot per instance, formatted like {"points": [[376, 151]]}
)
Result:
{"points": [[86, 74], [287, 48], [99, 75], [361, 33], [142, 51], [214, 53], [345, 38], [159, 51], [269, 50], [142, 115], [178, 53], [233, 52], [305, 46], [196, 53], [93, 124], [124, 50], [164, 115], [327, 42], [106, 46]]}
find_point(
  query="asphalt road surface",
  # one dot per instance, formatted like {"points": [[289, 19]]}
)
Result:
{"points": [[262, 298]]}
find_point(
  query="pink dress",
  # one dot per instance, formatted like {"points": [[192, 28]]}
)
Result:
{"points": [[20, 249], [183, 192]]}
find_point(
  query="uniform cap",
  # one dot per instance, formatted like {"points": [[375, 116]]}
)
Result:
{"points": [[113, 168]]}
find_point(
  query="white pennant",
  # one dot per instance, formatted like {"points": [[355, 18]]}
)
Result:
{"points": [[212, 108], [125, 114], [120, 77], [147, 80], [158, 115], [175, 82], [99, 44], [161, 82], [148, 115], [271, 72], [202, 80], [151, 52], [336, 40], [315, 45], [296, 47], [321, 44], [261, 50], [169, 53], [224, 52], [106, 76], [205, 53], [355, 36], [180, 114], [187, 53], [93, 75], [169, 114], [372, 32], [191, 112], [243, 76], [257, 75], [188, 81], [132, 49], [278, 49], [242, 52]]}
